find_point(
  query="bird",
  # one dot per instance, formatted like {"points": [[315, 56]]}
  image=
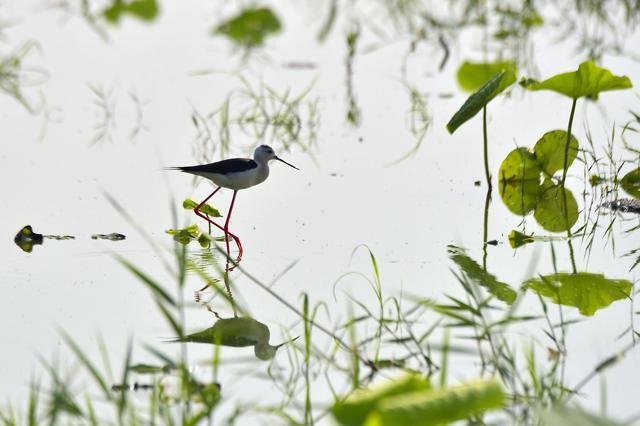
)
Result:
{"points": [[237, 332], [235, 174]]}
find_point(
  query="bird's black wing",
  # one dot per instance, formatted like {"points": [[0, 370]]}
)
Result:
{"points": [[222, 167]]}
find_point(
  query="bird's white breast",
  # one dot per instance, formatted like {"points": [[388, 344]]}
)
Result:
{"points": [[239, 180]]}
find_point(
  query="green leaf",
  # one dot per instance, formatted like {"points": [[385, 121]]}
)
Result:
{"points": [[518, 239], [481, 98], [557, 209], [549, 151], [149, 369], [519, 183], [562, 415], [185, 235], [589, 80], [427, 408], [472, 76], [586, 291], [631, 183], [189, 204], [475, 273], [250, 27], [146, 10], [354, 410]]}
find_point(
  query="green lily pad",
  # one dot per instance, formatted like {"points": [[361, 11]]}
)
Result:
{"points": [[586, 291], [438, 407], [481, 98], [250, 27], [631, 183], [478, 275], [472, 76], [519, 181], [354, 410], [146, 10], [549, 151], [589, 80], [520, 164], [551, 213]]}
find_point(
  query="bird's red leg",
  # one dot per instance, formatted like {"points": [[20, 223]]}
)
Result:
{"points": [[225, 229]]}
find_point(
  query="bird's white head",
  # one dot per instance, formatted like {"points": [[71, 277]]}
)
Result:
{"points": [[264, 153]]}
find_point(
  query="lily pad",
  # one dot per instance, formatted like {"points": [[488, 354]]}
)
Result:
{"points": [[549, 151], [250, 27], [354, 410], [631, 183], [589, 80], [586, 291], [481, 98], [478, 275], [471, 76], [519, 183], [520, 164], [146, 10], [555, 214]]}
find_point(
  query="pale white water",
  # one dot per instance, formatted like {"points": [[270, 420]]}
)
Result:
{"points": [[405, 213]]}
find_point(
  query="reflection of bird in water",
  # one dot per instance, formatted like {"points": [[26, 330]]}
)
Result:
{"points": [[236, 174], [237, 332]]}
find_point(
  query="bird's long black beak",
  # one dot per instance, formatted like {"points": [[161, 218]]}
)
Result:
{"points": [[290, 165]]}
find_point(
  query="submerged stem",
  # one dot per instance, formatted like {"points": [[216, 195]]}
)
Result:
{"points": [[566, 145], [485, 234], [486, 153]]}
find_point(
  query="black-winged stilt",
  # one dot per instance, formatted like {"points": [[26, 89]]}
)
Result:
{"points": [[236, 174]]}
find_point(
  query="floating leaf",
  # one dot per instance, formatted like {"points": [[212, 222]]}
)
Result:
{"points": [[557, 209], [427, 408], [586, 291], [519, 182], [207, 209], [472, 76], [589, 80], [185, 235], [631, 183], [520, 164], [250, 27], [481, 98], [26, 239], [354, 410], [518, 239], [146, 10], [549, 151], [475, 273], [150, 369], [189, 204], [205, 240]]}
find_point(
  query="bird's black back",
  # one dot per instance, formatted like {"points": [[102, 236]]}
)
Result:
{"points": [[222, 167]]}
